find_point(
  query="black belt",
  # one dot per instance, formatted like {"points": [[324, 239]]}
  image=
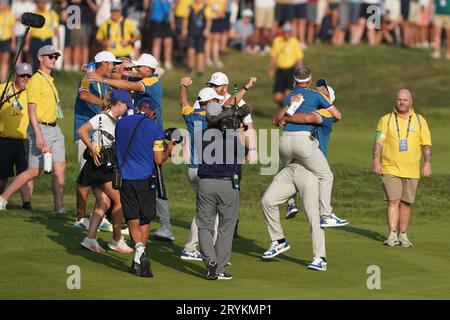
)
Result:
{"points": [[50, 124]]}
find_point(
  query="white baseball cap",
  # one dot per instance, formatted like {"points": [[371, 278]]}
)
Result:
{"points": [[247, 13], [146, 60], [106, 56], [218, 79], [331, 92], [205, 95]]}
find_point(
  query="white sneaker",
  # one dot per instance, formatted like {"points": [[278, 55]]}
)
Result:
{"points": [[105, 225], [191, 255], [209, 63], [93, 245], [404, 241], [83, 223], [125, 232], [275, 249], [332, 221], [392, 240], [61, 211], [3, 203], [318, 264], [218, 63], [435, 55], [168, 65], [120, 246]]}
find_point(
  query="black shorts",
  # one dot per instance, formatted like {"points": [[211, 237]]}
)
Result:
{"points": [[218, 25], [334, 6], [283, 13], [196, 42], [283, 79], [138, 200], [14, 155], [405, 8], [226, 22], [160, 29], [300, 11], [5, 46], [92, 175]]}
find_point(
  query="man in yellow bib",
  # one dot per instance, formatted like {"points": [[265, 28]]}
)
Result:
{"points": [[401, 137]]}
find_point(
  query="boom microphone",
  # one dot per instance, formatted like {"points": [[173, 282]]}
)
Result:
{"points": [[33, 20]]}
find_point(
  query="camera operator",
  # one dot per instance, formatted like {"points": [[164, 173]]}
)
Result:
{"points": [[139, 145], [97, 171], [218, 188]]}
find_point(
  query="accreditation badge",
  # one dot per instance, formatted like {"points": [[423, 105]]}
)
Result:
{"points": [[403, 145], [59, 112]]}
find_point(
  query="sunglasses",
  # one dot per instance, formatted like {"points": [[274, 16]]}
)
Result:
{"points": [[24, 75], [128, 69], [53, 56]]}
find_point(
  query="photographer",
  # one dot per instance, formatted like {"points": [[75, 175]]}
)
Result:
{"points": [[139, 143], [218, 188], [97, 172]]}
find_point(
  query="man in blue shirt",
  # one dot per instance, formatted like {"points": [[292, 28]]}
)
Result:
{"points": [[195, 122], [87, 105], [297, 143], [143, 137]]}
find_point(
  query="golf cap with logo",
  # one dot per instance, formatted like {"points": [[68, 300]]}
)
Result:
{"points": [[146, 60], [218, 79], [106, 56], [122, 96], [205, 95], [47, 50], [247, 13], [24, 68], [323, 83], [148, 103]]}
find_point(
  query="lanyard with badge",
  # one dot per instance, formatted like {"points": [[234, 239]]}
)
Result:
{"points": [[59, 112], [403, 143], [16, 107]]}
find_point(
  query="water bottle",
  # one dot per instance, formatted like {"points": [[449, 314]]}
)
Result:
{"points": [[48, 161], [90, 68]]}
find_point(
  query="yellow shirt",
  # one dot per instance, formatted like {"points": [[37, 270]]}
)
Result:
{"points": [[14, 115], [287, 52], [404, 164], [40, 93], [7, 21], [48, 30], [115, 34], [182, 8], [215, 9]]}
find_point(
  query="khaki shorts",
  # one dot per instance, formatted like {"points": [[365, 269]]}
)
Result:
{"points": [[396, 188], [442, 21], [264, 17]]}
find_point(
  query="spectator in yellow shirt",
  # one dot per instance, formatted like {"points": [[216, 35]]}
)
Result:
{"points": [[118, 34], [39, 37], [7, 42], [401, 137], [286, 56], [13, 131]]}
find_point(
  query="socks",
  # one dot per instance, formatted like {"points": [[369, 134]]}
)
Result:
{"points": [[281, 240], [139, 250]]}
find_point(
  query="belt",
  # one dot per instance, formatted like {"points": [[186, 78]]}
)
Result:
{"points": [[216, 178], [50, 124]]}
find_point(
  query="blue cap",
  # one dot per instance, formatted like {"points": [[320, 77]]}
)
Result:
{"points": [[122, 96], [147, 103], [321, 83]]}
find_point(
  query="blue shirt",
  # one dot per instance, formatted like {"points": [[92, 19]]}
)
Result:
{"points": [[149, 137], [85, 111], [160, 10], [313, 100], [195, 122], [153, 90], [324, 132]]}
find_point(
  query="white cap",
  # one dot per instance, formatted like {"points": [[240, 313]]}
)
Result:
{"points": [[247, 13], [146, 60], [218, 79], [331, 92], [205, 95], [105, 56]]}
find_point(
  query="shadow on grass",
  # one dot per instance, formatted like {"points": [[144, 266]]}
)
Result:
{"points": [[374, 235]]}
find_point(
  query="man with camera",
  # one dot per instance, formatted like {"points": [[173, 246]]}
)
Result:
{"points": [[222, 154], [139, 147]]}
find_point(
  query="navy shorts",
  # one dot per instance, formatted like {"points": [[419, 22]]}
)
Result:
{"points": [[138, 201], [283, 79], [218, 25], [15, 160], [284, 13], [300, 11], [160, 29], [5, 46], [196, 42]]}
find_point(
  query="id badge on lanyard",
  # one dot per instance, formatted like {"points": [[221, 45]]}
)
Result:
{"points": [[403, 145]]}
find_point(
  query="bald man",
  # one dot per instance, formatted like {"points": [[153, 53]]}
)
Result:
{"points": [[400, 139]]}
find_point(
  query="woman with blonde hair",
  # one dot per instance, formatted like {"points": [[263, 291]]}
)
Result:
{"points": [[98, 169]]}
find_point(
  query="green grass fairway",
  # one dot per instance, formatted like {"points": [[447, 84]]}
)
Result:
{"points": [[37, 248]]}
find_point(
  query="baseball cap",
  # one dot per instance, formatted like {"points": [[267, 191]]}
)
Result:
{"points": [[146, 60], [47, 50], [323, 83], [24, 68], [122, 96], [218, 79], [287, 27], [147, 103], [205, 95], [116, 6], [106, 56], [247, 13]]}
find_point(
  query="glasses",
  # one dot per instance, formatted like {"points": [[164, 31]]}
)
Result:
{"points": [[53, 56], [128, 69], [24, 75]]}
